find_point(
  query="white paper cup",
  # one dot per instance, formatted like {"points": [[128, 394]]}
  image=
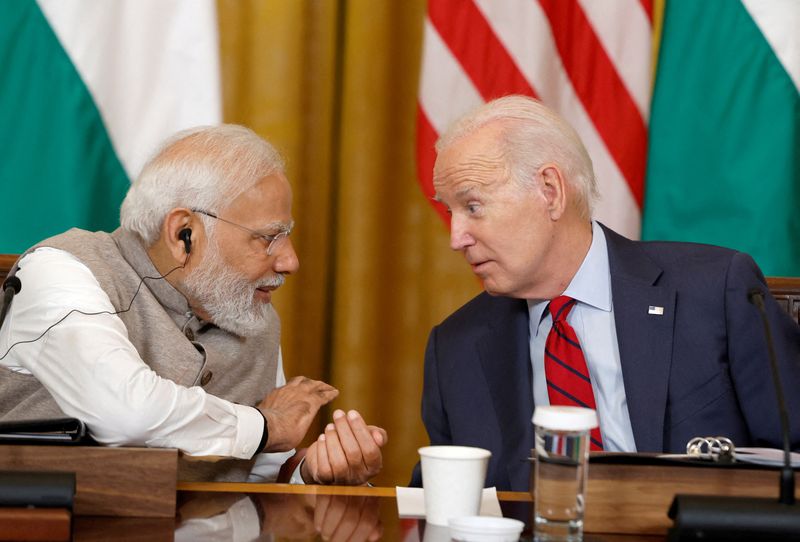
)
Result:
{"points": [[453, 478], [485, 529], [436, 533]]}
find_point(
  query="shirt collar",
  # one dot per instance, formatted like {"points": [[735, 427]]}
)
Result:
{"points": [[591, 285]]}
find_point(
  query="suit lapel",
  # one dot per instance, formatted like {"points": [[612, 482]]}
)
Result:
{"points": [[504, 355], [644, 314]]}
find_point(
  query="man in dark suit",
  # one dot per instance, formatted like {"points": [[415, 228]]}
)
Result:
{"points": [[658, 337]]}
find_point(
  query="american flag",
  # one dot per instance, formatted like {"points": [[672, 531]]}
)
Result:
{"points": [[590, 60]]}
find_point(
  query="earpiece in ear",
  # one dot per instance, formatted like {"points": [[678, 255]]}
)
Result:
{"points": [[185, 235]]}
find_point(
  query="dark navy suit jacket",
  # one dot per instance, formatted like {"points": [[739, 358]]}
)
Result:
{"points": [[700, 369]]}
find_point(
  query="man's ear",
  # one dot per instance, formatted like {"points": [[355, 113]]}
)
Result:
{"points": [[177, 233], [554, 188]]}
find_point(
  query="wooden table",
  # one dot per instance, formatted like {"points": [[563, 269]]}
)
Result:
{"points": [[627, 498], [291, 513]]}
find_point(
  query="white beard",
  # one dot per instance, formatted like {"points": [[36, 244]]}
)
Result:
{"points": [[227, 296]]}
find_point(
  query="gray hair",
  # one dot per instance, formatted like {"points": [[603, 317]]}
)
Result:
{"points": [[206, 167], [533, 135]]}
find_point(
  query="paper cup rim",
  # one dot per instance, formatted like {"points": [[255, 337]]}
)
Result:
{"points": [[565, 418], [454, 452], [486, 525]]}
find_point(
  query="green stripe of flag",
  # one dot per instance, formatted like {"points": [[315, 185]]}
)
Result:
{"points": [[724, 157], [58, 168]]}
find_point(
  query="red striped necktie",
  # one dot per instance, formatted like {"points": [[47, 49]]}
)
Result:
{"points": [[568, 380]]}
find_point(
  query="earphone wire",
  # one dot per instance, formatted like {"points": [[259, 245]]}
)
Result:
{"points": [[110, 313]]}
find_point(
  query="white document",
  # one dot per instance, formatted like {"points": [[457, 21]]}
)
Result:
{"points": [[411, 502], [766, 456]]}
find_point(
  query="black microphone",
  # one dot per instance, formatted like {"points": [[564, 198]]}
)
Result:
{"points": [[702, 517], [756, 297], [11, 287]]}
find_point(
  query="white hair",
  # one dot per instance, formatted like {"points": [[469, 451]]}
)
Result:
{"points": [[205, 167], [533, 135]]}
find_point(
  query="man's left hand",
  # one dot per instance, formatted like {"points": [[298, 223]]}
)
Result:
{"points": [[347, 453]]}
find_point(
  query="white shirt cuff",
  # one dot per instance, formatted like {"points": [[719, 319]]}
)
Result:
{"points": [[297, 477], [249, 430]]}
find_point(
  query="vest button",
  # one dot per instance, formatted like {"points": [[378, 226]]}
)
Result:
{"points": [[189, 333], [206, 378]]}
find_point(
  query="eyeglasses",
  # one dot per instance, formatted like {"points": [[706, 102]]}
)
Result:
{"points": [[271, 240]]}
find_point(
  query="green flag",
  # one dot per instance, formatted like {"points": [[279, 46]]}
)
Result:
{"points": [[59, 168], [89, 89], [724, 149]]}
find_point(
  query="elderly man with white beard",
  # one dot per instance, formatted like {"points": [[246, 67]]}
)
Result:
{"points": [[162, 333]]}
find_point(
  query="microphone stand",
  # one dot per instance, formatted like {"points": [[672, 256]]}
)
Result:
{"points": [[756, 297], [703, 517]]}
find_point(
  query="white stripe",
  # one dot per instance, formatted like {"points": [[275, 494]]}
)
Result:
{"points": [[445, 90], [152, 66], [779, 21], [523, 28], [624, 30]]}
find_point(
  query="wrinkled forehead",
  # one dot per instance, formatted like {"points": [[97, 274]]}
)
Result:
{"points": [[479, 154], [468, 170], [266, 202]]}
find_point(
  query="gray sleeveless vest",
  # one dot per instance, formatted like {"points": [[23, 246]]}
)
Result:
{"points": [[168, 336]]}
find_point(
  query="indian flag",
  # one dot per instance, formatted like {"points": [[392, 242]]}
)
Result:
{"points": [[89, 89], [724, 153]]}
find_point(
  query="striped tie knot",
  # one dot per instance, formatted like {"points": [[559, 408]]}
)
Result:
{"points": [[559, 308]]}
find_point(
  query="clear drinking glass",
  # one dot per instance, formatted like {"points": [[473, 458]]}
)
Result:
{"points": [[560, 471]]}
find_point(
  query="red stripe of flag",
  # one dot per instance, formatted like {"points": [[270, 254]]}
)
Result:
{"points": [[601, 90], [647, 5], [484, 59], [426, 156]]}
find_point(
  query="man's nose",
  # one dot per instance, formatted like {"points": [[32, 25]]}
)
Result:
{"points": [[460, 238], [286, 260]]}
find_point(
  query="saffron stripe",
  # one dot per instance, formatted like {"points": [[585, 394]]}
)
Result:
{"points": [[601, 90], [567, 366], [487, 63]]}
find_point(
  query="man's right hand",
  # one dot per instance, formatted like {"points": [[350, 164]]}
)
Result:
{"points": [[290, 409], [347, 453]]}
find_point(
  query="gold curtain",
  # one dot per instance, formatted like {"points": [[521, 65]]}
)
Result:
{"points": [[333, 84]]}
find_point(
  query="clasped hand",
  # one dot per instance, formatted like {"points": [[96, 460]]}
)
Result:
{"points": [[347, 453]]}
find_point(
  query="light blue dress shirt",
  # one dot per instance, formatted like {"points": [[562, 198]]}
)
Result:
{"points": [[592, 317]]}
